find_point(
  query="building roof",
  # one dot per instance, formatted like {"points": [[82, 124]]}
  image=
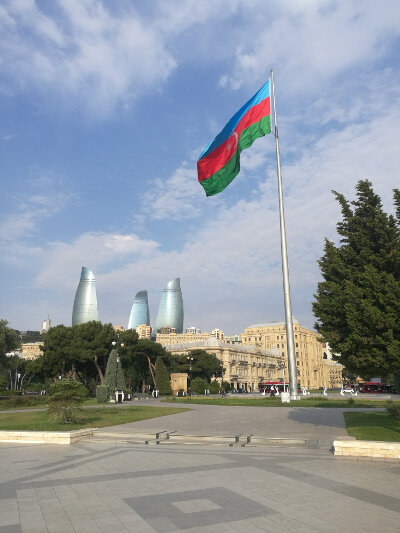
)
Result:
{"points": [[212, 342], [269, 324]]}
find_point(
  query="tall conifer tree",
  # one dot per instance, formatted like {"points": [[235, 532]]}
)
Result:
{"points": [[357, 305], [115, 379], [162, 377]]}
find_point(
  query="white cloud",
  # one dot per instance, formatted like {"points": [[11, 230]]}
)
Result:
{"points": [[106, 58], [175, 198], [44, 196], [311, 42]]}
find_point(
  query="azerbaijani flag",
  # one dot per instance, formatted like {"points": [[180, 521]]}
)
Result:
{"points": [[219, 163]]}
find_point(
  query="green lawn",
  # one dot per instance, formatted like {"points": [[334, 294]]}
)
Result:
{"points": [[99, 418], [276, 402], [373, 426]]}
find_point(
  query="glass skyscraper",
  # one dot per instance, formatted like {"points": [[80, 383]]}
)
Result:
{"points": [[170, 311], [85, 303], [140, 311]]}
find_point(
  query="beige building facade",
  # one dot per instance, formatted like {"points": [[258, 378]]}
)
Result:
{"points": [[245, 365], [313, 369], [181, 338], [144, 331], [31, 350]]}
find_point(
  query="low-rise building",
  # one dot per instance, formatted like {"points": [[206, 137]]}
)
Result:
{"points": [[313, 371], [179, 338], [233, 339], [193, 329], [245, 365], [31, 350]]}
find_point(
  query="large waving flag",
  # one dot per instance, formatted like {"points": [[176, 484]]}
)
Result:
{"points": [[219, 163]]}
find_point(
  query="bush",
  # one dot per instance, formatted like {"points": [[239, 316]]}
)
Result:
{"points": [[393, 409], [24, 401], [198, 385], [226, 386], [65, 401], [34, 387], [102, 393], [10, 393], [214, 387]]}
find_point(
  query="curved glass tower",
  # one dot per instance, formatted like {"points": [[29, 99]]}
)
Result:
{"points": [[85, 303], [170, 311], [140, 311]]}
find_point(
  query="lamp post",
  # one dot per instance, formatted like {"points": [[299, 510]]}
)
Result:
{"points": [[190, 361], [282, 367], [116, 345]]}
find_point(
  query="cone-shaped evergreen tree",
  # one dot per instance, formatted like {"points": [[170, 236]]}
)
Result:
{"points": [[357, 304], [114, 379], [162, 377]]}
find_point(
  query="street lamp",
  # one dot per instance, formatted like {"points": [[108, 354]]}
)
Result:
{"points": [[282, 367], [116, 345], [190, 361]]}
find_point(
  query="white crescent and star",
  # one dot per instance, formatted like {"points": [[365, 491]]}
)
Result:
{"points": [[236, 137]]}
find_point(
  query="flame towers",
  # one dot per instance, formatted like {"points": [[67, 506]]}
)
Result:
{"points": [[170, 311], [85, 303], [140, 311]]}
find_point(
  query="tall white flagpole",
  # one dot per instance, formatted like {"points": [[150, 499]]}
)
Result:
{"points": [[285, 269]]}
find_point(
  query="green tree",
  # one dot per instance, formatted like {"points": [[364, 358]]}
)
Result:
{"points": [[65, 401], [357, 305], [58, 355], [9, 341], [199, 363], [162, 377], [114, 378], [198, 385], [79, 352], [31, 336], [91, 345], [139, 362]]}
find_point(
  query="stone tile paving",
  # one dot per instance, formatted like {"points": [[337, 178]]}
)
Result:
{"points": [[103, 487]]}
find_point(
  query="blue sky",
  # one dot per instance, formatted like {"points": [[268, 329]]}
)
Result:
{"points": [[105, 107]]}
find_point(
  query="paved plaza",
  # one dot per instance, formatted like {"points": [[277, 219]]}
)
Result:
{"points": [[113, 487]]}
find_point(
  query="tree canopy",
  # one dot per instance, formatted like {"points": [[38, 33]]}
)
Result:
{"points": [[139, 361], [198, 364], [9, 366], [357, 305], [79, 351]]}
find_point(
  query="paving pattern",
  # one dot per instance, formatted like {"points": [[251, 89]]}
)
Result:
{"points": [[108, 487]]}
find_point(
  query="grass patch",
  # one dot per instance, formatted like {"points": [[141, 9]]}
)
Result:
{"points": [[33, 402], [373, 426], [99, 418], [276, 402]]}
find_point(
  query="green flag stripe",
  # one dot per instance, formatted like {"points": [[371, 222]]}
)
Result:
{"points": [[221, 179]]}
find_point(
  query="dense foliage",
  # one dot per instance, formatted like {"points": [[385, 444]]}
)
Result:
{"points": [[139, 361], [65, 401], [115, 377], [198, 385], [357, 305], [13, 367], [162, 377], [102, 393], [198, 364]]}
